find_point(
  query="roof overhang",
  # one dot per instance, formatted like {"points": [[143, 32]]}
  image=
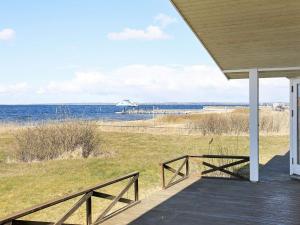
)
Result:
{"points": [[241, 35]]}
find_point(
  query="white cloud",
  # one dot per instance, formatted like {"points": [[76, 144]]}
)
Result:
{"points": [[156, 83], [164, 20], [7, 34], [13, 88], [151, 32]]}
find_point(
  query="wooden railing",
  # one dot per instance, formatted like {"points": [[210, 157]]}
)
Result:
{"points": [[176, 172], [87, 199], [180, 174]]}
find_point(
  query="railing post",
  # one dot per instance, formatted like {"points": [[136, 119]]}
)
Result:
{"points": [[163, 175], [136, 190], [89, 211], [187, 166]]}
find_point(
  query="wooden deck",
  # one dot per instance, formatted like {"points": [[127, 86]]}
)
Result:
{"points": [[274, 200]]}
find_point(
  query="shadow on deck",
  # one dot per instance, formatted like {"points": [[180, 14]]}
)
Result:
{"points": [[274, 200]]}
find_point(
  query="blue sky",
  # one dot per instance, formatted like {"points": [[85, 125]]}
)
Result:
{"points": [[105, 51]]}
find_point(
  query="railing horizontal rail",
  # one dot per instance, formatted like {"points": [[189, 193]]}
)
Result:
{"points": [[87, 194], [219, 156], [176, 159], [24, 222]]}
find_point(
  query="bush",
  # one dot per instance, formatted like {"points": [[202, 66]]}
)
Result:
{"points": [[221, 123], [56, 140]]}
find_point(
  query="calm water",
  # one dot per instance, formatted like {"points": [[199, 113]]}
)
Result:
{"points": [[37, 113]]}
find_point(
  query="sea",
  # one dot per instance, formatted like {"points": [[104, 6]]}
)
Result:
{"points": [[102, 112]]}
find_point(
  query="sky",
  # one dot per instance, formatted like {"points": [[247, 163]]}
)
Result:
{"points": [[91, 51]]}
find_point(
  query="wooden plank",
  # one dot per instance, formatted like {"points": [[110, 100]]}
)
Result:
{"points": [[111, 197]]}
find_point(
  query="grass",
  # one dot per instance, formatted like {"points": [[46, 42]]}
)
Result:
{"points": [[25, 184]]}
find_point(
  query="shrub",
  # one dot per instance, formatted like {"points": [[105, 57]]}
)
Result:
{"points": [[220, 123], [56, 140]]}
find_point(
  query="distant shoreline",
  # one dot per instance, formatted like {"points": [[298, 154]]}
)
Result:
{"points": [[140, 103], [41, 113], [25, 114]]}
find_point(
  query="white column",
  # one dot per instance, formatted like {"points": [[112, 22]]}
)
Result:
{"points": [[293, 128], [254, 124]]}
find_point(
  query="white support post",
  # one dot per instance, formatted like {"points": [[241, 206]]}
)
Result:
{"points": [[254, 124], [293, 128]]}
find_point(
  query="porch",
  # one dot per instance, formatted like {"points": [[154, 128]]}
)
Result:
{"points": [[252, 40], [274, 200]]}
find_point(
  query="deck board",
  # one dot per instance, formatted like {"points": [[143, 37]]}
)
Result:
{"points": [[274, 200]]}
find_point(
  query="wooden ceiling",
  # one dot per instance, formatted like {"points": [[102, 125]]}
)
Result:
{"points": [[244, 34]]}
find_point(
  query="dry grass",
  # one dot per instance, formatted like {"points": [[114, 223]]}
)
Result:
{"points": [[56, 140], [217, 124], [221, 148], [232, 123], [180, 118]]}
